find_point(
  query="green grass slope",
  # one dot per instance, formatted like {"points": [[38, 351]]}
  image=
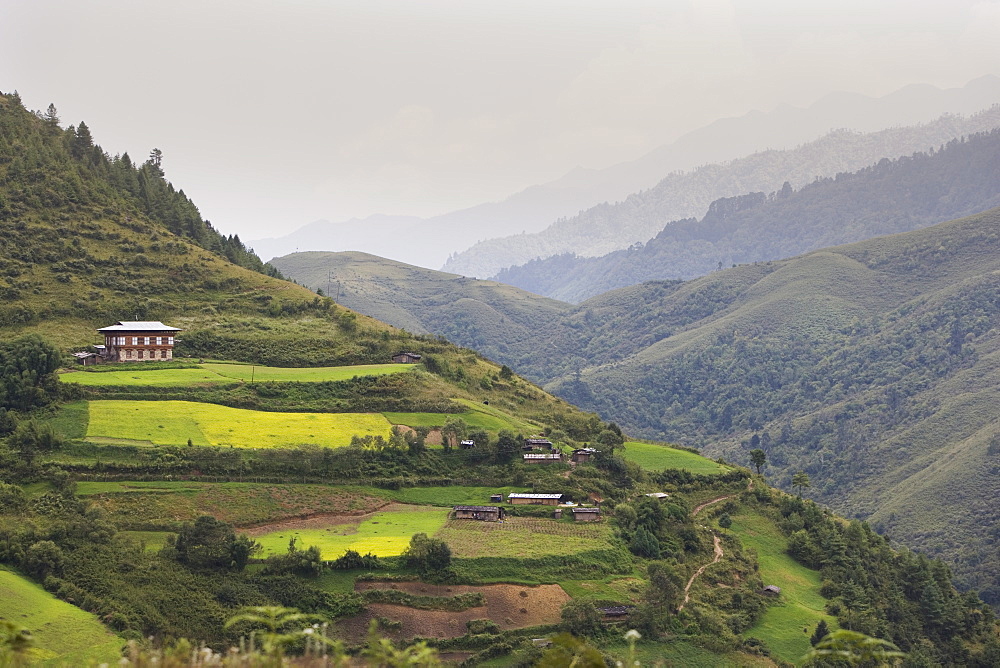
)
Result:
{"points": [[63, 634], [493, 318]]}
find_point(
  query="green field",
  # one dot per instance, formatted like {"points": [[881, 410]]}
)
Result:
{"points": [[800, 605], [385, 534], [451, 496], [519, 537], [174, 422], [480, 417], [153, 540], [166, 504], [660, 457], [62, 632], [213, 373]]}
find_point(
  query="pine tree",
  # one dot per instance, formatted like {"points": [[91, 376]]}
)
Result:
{"points": [[822, 631]]}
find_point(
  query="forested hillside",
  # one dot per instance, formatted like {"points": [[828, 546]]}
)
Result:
{"points": [[873, 367], [617, 225], [957, 179], [44, 165]]}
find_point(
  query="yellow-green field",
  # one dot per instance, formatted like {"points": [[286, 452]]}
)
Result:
{"points": [[799, 606], [478, 416], [213, 373], [63, 633], [661, 457], [174, 422], [385, 534]]}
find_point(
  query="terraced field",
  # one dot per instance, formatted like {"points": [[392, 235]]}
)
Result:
{"points": [[174, 422], [523, 536], [490, 420], [386, 533], [165, 504], [660, 457], [215, 373]]}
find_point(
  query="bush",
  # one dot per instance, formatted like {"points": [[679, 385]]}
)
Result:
{"points": [[44, 558], [427, 555], [351, 560]]}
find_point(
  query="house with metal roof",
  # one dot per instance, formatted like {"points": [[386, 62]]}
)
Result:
{"points": [[138, 341], [519, 498], [482, 513], [542, 458]]}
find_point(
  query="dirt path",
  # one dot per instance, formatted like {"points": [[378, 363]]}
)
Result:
{"points": [[715, 542], [718, 555]]}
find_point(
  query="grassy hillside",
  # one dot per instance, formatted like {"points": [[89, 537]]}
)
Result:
{"points": [[63, 633], [495, 319]]}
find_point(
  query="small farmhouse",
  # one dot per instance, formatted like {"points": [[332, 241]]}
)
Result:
{"points": [[771, 590], [659, 495], [542, 458], [583, 454], [518, 498], [406, 358], [483, 513], [467, 444], [616, 613], [537, 444], [138, 341], [586, 514]]}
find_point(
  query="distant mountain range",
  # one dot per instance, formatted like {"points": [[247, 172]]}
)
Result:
{"points": [[957, 179], [430, 242]]}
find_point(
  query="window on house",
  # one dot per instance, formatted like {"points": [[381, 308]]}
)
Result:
{"points": [[128, 353], [147, 340], [170, 340], [135, 340], [159, 341], [140, 353]]}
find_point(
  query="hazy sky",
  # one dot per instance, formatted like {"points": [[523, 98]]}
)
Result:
{"points": [[272, 114]]}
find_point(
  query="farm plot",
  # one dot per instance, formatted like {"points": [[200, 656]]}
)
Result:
{"points": [[63, 633], [493, 422], [174, 422], [246, 372], [660, 457], [215, 373], [509, 606], [386, 533], [523, 537], [142, 505]]}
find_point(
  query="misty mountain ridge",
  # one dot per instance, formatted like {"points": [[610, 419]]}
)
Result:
{"points": [[961, 178], [609, 227], [430, 242]]}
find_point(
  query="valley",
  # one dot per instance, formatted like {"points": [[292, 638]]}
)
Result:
{"points": [[280, 461]]}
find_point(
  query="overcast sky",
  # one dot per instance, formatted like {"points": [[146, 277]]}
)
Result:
{"points": [[272, 113]]}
